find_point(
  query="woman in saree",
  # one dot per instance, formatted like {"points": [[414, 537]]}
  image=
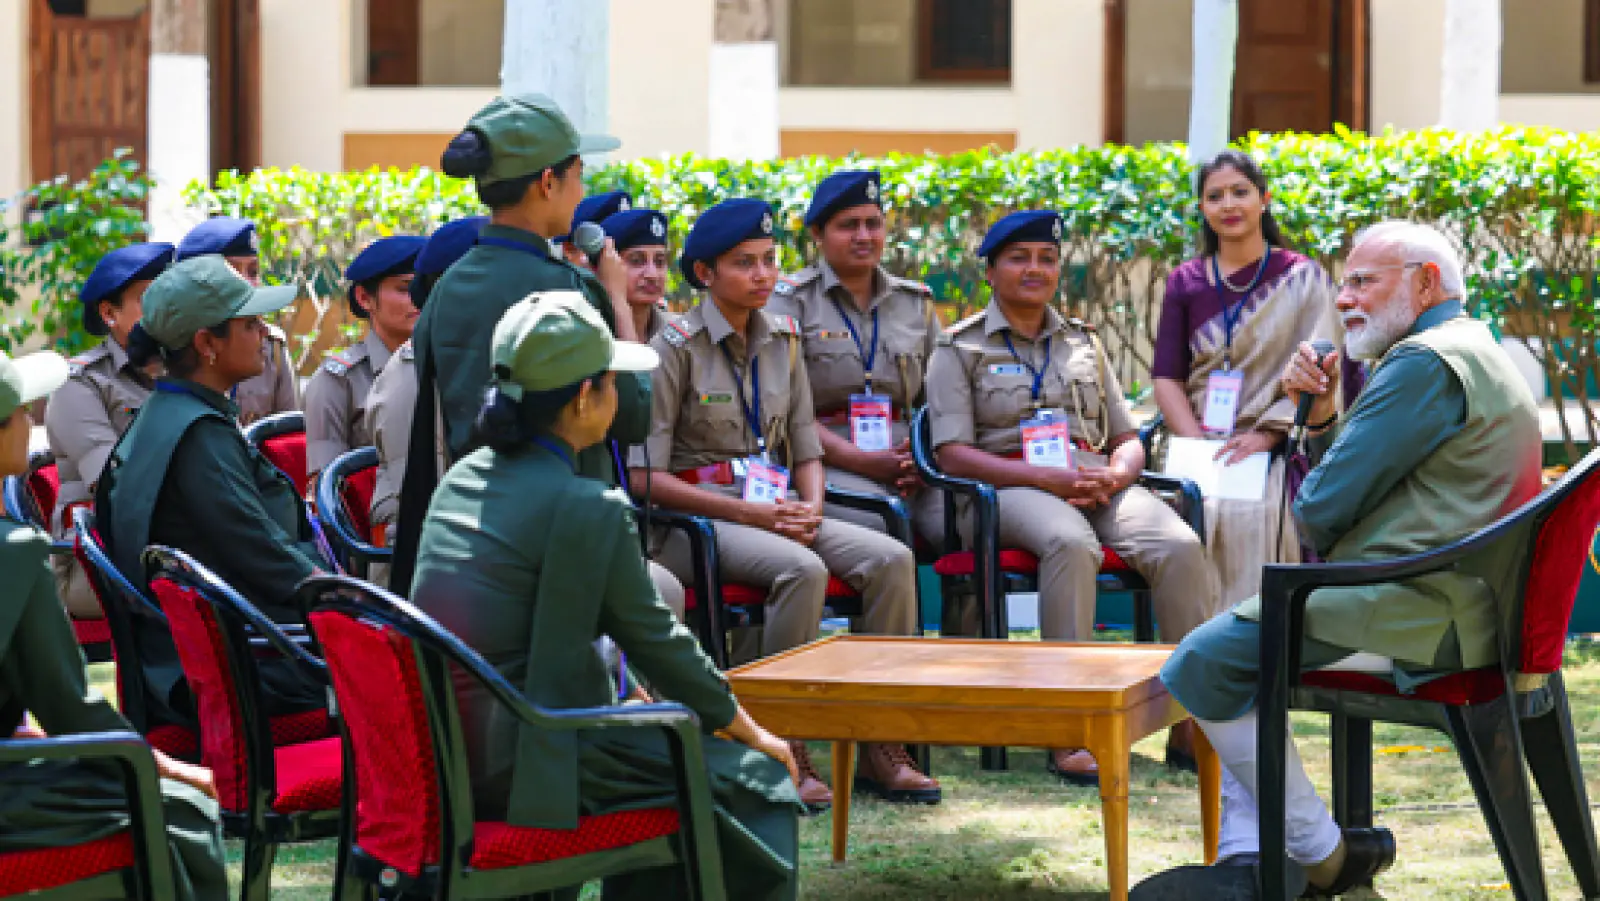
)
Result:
{"points": [[1231, 319]]}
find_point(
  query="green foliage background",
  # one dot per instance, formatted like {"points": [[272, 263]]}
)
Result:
{"points": [[1520, 202]]}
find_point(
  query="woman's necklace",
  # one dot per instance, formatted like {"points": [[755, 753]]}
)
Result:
{"points": [[1261, 269]]}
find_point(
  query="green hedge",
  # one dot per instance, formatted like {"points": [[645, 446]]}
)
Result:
{"points": [[1521, 202]]}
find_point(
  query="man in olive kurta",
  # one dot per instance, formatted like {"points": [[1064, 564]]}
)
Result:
{"points": [[56, 803], [529, 562], [1442, 441], [517, 138]]}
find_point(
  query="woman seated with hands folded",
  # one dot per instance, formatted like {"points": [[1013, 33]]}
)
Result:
{"points": [[529, 562], [1026, 401]]}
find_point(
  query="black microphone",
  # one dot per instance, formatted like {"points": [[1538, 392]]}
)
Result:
{"points": [[1322, 347], [591, 239]]}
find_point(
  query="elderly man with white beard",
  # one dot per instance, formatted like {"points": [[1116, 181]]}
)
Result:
{"points": [[1443, 440]]}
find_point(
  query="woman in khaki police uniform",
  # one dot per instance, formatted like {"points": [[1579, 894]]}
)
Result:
{"points": [[640, 236], [275, 390], [867, 338], [1027, 402], [733, 438], [336, 397], [94, 407]]}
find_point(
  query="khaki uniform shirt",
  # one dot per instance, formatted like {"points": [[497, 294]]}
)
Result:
{"points": [[336, 400], [275, 390], [696, 418], [979, 392], [390, 405], [87, 415], [906, 330]]}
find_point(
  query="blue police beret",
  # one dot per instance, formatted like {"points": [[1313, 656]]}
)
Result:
{"points": [[1031, 225], [114, 272], [842, 190], [722, 228], [636, 228], [448, 243], [382, 258], [596, 207], [224, 235]]}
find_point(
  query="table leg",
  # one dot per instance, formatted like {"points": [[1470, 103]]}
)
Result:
{"points": [[1114, 770], [844, 768], [1210, 767]]}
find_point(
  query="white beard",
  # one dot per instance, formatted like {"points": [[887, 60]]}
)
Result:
{"points": [[1369, 338]]}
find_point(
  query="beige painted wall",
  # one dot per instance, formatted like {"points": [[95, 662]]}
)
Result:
{"points": [[1573, 112], [13, 99], [1407, 48], [1158, 70], [304, 74], [661, 76], [1058, 72]]}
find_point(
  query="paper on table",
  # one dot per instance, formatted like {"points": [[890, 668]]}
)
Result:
{"points": [[1195, 458]]}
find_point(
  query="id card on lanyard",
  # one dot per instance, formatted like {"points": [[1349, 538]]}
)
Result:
{"points": [[869, 421], [1046, 440], [1222, 400], [1224, 387], [764, 481]]}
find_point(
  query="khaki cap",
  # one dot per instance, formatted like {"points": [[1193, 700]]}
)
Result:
{"points": [[527, 133], [552, 339], [201, 292], [26, 379]]}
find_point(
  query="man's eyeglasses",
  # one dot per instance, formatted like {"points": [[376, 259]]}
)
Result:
{"points": [[1361, 280]]}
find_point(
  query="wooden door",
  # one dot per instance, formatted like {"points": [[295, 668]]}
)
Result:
{"points": [[236, 85], [88, 83], [1300, 65], [394, 30]]}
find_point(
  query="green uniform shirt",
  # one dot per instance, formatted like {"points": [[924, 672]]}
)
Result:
{"points": [[529, 563]]}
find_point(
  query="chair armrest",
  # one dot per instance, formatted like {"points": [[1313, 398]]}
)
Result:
{"points": [[1149, 431], [890, 508], [1190, 503]]}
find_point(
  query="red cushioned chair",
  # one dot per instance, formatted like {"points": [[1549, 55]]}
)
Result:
{"points": [[270, 791], [32, 499], [344, 506], [281, 438], [407, 775], [1500, 717], [132, 864]]}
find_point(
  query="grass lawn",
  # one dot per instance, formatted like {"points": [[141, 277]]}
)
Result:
{"points": [[1020, 834]]}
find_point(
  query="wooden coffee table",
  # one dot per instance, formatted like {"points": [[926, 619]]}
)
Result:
{"points": [[953, 691]]}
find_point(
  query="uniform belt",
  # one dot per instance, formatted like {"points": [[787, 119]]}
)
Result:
{"points": [[715, 474], [1078, 443], [842, 417], [380, 534]]}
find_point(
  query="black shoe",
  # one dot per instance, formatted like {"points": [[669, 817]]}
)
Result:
{"points": [[1178, 760], [1367, 852], [1230, 879]]}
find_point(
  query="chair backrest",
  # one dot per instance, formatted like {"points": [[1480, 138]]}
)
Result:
{"points": [[281, 437], [122, 603], [1567, 513], [31, 498], [344, 505]]}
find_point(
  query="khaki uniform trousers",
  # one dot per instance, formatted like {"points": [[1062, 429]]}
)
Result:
{"points": [[927, 506], [796, 577], [1142, 529]]}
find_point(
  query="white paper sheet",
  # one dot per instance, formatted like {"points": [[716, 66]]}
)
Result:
{"points": [[1195, 458]]}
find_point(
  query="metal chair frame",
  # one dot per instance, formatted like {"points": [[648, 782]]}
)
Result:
{"points": [[353, 550]]}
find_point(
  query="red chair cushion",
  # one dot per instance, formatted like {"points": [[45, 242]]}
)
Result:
{"points": [[294, 728], [1458, 689], [1112, 562], [750, 596], [44, 484], [288, 452], [22, 872], [1016, 561], [310, 776], [1559, 558], [174, 741], [356, 493], [91, 631], [499, 845], [375, 678]]}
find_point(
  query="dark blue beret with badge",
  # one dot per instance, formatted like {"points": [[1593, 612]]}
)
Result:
{"points": [[115, 271], [227, 236], [1033, 225], [721, 229], [597, 207], [448, 243], [843, 190], [384, 257], [636, 228]]}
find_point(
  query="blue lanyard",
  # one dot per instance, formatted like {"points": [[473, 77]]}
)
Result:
{"points": [[1038, 373], [556, 449], [752, 411], [868, 355], [1231, 315], [509, 244]]}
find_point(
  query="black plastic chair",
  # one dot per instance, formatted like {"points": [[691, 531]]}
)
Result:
{"points": [[132, 864], [272, 789], [344, 505], [394, 670], [32, 499], [281, 437], [1500, 717]]}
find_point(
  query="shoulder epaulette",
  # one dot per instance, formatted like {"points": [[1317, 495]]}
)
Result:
{"points": [[339, 362], [911, 284], [679, 330], [788, 283], [77, 364], [406, 351], [1077, 323], [967, 323], [785, 325]]}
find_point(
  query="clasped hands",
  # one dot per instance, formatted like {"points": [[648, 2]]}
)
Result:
{"points": [[1086, 487], [892, 467], [794, 520]]}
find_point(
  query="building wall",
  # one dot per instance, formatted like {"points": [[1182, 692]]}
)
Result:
{"points": [[1406, 47], [1158, 70], [1543, 48], [14, 141], [661, 76]]}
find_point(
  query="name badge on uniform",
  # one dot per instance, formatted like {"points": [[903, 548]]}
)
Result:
{"points": [[716, 397], [764, 482], [869, 421], [1222, 400], [1007, 369], [1046, 440]]}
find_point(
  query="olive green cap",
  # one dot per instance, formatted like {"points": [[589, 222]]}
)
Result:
{"points": [[552, 339], [202, 292], [527, 133], [26, 379]]}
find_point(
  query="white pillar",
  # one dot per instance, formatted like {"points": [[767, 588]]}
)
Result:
{"points": [[744, 81], [560, 48], [1469, 90], [1216, 36], [179, 112]]}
